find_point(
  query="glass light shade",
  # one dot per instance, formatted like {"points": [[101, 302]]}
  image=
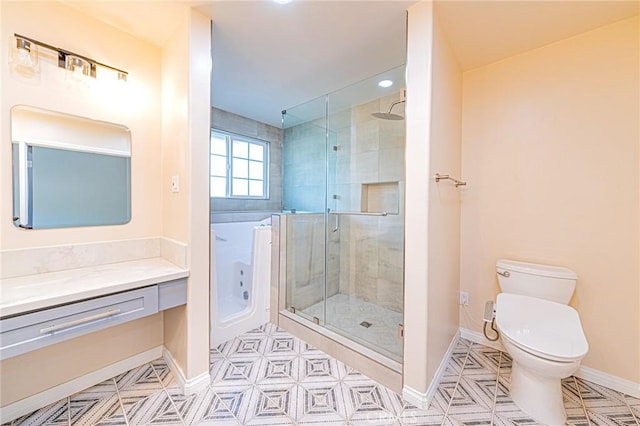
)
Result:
{"points": [[24, 58], [78, 70]]}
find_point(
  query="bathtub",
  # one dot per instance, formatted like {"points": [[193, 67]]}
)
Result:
{"points": [[240, 278]]}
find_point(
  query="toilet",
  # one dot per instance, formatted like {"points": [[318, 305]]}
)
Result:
{"points": [[541, 333]]}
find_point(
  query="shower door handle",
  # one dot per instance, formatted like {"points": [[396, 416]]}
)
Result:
{"points": [[338, 214], [360, 213]]}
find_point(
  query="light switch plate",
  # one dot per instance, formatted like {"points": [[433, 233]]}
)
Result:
{"points": [[175, 183]]}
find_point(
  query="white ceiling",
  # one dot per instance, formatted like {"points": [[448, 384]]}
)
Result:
{"points": [[268, 57]]}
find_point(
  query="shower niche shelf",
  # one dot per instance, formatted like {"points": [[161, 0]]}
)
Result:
{"points": [[380, 197]]}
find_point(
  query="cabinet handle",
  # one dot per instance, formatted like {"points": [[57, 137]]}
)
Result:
{"points": [[80, 321]]}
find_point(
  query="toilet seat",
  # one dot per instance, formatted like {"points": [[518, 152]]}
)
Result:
{"points": [[543, 328]]}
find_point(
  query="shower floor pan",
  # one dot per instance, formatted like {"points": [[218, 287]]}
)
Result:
{"points": [[346, 315]]}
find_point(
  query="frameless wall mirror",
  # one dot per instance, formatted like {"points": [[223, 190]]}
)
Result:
{"points": [[68, 170]]}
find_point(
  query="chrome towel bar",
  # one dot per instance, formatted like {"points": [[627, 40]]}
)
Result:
{"points": [[438, 177], [360, 213]]}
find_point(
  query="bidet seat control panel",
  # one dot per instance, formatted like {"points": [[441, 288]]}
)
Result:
{"points": [[489, 311]]}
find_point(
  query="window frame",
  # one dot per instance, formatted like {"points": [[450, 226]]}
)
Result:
{"points": [[230, 137]]}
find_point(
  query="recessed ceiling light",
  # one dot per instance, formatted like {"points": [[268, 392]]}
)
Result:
{"points": [[283, 1], [385, 83]]}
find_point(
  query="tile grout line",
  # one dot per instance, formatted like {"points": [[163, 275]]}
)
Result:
{"points": [[584, 407], [495, 390], [455, 388], [164, 389], [124, 413], [624, 396]]}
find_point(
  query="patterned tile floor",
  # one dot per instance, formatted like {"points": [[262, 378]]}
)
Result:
{"points": [[345, 313], [269, 377]]}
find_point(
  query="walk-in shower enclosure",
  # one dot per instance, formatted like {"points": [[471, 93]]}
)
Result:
{"points": [[343, 235]]}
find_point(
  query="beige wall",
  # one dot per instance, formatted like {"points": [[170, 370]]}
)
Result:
{"points": [[136, 105], [39, 370], [186, 69], [418, 118], [432, 251], [551, 153], [444, 201]]}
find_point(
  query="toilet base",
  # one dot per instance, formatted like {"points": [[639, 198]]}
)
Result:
{"points": [[539, 397]]}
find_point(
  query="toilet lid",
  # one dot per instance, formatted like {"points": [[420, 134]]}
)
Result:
{"points": [[544, 328]]}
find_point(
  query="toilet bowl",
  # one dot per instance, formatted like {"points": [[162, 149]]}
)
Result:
{"points": [[546, 342], [542, 334]]}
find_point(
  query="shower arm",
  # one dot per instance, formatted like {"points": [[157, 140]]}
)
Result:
{"points": [[394, 104]]}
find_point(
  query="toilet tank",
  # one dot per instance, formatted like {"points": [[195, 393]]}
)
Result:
{"points": [[547, 282]]}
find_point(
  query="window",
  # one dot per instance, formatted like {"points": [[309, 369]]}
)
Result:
{"points": [[239, 166]]}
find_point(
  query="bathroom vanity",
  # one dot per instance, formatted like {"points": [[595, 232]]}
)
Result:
{"points": [[43, 309]]}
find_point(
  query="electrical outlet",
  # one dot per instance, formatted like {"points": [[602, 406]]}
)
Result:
{"points": [[464, 298]]}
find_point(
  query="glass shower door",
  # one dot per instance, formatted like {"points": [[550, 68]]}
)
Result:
{"points": [[304, 205], [343, 189], [365, 221]]}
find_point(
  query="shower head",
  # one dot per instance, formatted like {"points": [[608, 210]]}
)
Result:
{"points": [[389, 115]]}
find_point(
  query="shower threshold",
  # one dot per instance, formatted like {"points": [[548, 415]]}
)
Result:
{"points": [[348, 342]]}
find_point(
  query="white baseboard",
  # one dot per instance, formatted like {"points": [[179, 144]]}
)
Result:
{"points": [[423, 400], [56, 393], [608, 380], [415, 397], [587, 373], [188, 386]]}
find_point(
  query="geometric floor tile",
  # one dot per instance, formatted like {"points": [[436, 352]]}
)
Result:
{"points": [[269, 377]]}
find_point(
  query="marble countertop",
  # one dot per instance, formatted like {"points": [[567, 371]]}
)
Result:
{"points": [[40, 291]]}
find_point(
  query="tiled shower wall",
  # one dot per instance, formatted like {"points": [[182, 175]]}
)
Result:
{"points": [[365, 254], [372, 246], [221, 207]]}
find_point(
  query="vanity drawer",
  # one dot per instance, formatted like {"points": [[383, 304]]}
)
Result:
{"points": [[172, 294], [24, 333]]}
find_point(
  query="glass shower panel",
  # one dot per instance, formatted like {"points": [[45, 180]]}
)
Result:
{"points": [[304, 198], [343, 186], [365, 182]]}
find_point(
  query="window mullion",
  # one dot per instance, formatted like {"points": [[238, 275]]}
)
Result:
{"points": [[229, 159]]}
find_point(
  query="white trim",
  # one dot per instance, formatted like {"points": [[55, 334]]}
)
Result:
{"points": [[587, 373], [416, 398], [609, 380], [423, 400], [56, 393], [477, 337], [76, 147], [188, 386]]}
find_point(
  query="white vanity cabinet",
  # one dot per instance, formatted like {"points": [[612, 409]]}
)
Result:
{"points": [[38, 311]]}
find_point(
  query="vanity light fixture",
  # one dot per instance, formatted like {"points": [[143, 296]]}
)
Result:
{"points": [[78, 67], [23, 59], [283, 1]]}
